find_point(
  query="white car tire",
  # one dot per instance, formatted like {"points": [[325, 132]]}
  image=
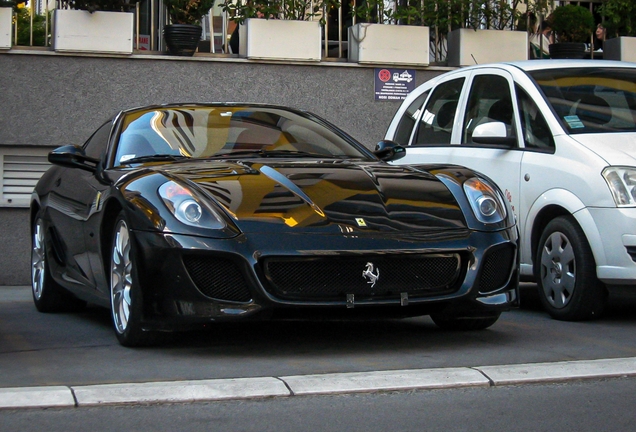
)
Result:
{"points": [[566, 273]]}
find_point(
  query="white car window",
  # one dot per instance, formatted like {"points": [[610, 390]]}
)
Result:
{"points": [[489, 101], [536, 132], [407, 122], [436, 124]]}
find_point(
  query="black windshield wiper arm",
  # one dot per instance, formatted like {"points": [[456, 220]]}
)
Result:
{"points": [[269, 153], [293, 153], [153, 158]]}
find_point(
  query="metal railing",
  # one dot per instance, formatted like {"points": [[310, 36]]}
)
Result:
{"points": [[151, 16]]}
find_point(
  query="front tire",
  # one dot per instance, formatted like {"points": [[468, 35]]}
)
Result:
{"points": [[48, 295], [125, 293], [566, 273], [465, 323]]}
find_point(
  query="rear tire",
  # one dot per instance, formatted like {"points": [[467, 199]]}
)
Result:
{"points": [[48, 295], [566, 273], [465, 323], [125, 293]]}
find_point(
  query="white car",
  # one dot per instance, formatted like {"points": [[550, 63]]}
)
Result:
{"points": [[559, 138]]}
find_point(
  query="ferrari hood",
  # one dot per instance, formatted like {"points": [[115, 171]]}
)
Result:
{"points": [[352, 196]]}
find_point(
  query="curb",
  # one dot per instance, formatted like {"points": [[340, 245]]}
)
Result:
{"points": [[323, 384]]}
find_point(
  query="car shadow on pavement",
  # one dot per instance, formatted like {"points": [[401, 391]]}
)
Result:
{"points": [[621, 305]]}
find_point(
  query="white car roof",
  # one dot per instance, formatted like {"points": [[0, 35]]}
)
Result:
{"points": [[532, 65]]}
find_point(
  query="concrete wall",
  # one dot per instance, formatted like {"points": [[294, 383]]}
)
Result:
{"points": [[49, 99], [15, 247]]}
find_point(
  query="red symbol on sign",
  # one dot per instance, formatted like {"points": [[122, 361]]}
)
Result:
{"points": [[384, 75]]}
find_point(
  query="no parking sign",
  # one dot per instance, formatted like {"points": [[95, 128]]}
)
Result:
{"points": [[394, 84]]}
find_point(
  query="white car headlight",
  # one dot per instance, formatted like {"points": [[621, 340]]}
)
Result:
{"points": [[622, 184], [486, 203], [188, 208]]}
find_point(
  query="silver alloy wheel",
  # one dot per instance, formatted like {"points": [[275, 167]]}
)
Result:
{"points": [[558, 268], [121, 278], [38, 260]]}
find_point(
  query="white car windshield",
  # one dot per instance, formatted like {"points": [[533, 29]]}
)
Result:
{"points": [[591, 100]]}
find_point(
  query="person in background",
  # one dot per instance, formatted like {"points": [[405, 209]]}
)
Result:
{"points": [[540, 40], [599, 37]]}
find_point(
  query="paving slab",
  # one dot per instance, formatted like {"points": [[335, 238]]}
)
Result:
{"points": [[560, 371], [181, 391], [385, 380], [36, 397]]}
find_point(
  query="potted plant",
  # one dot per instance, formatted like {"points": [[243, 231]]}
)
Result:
{"points": [[620, 26], [395, 35], [482, 31], [182, 36], [7, 8], [279, 29], [573, 27], [103, 26]]}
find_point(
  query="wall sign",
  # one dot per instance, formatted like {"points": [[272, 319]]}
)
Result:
{"points": [[394, 84]]}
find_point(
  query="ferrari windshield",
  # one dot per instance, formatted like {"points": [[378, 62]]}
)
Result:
{"points": [[591, 100], [197, 131]]}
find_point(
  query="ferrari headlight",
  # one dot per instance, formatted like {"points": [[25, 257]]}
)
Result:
{"points": [[485, 201], [622, 184], [188, 208]]}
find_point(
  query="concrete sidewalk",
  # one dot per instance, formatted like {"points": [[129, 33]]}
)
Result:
{"points": [[338, 383]]}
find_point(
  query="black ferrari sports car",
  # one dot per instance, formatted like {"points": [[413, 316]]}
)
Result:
{"points": [[179, 215]]}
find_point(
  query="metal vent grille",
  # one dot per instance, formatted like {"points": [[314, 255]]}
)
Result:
{"points": [[332, 278], [217, 278], [497, 267], [20, 174]]}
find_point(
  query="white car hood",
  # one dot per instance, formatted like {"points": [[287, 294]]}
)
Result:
{"points": [[615, 148]]}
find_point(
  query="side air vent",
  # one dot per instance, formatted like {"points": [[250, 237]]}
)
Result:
{"points": [[217, 278]]}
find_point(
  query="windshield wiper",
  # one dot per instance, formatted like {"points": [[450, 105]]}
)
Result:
{"points": [[270, 153], [153, 158]]}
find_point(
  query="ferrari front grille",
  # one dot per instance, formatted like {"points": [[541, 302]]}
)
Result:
{"points": [[217, 278], [369, 277]]}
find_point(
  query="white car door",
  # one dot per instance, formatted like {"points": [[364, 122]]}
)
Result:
{"points": [[454, 109], [538, 166]]}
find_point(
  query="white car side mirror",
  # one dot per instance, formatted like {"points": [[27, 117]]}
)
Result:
{"points": [[494, 133]]}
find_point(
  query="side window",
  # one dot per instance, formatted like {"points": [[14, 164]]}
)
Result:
{"points": [[407, 122], [536, 133], [436, 125], [489, 101], [96, 144]]}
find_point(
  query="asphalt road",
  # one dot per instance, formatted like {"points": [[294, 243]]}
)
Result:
{"points": [[80, 349]]}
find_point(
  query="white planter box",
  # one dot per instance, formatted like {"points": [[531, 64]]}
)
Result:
{"points": [[620, 48], [6, 17], [101, 32], [280, 40], [389, 44], [467, 47]]}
